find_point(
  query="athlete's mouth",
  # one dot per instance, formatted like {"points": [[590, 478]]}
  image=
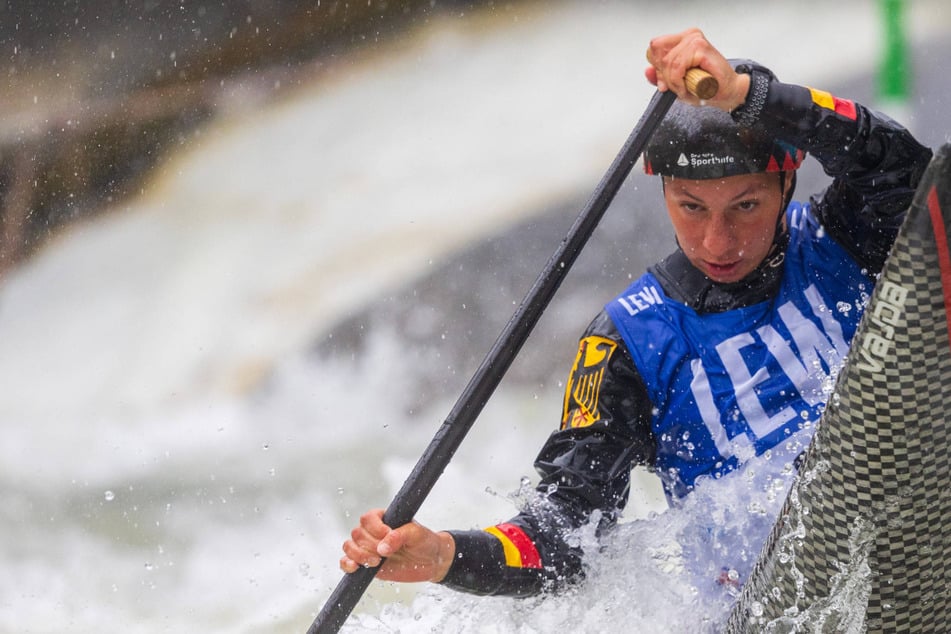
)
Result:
{"points": [[719, 270]]}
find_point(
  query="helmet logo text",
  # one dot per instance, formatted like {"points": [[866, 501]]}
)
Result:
{"points": [[707, 158]]}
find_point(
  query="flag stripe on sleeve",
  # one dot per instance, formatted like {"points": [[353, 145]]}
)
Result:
{"points": [[843, 107], [519, 550]]}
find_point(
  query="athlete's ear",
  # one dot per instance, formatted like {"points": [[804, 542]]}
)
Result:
{"points": [[790, 180], [788, 186]]}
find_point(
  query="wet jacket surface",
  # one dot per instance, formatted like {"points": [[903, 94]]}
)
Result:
{"points": [[585, 466]]}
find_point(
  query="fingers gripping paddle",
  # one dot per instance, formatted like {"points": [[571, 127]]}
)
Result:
{"points": [[487, 377]]}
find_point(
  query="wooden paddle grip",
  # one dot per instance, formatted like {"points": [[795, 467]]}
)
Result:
{"points": [[701, 84]]}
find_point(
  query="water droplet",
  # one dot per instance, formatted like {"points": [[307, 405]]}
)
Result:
{"points": [[110, 496]]}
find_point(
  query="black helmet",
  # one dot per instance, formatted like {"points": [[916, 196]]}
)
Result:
{"points": [[702, 142]]}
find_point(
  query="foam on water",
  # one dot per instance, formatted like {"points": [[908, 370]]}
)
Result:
{"points": [[674, 571]]}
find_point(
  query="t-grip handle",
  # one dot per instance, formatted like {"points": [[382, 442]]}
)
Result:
{"points": [[701, 84]]}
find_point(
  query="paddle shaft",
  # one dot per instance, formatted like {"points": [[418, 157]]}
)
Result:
{"points": [[489, 374]]}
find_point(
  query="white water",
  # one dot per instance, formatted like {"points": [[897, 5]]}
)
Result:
{"points": [[174, 460]]}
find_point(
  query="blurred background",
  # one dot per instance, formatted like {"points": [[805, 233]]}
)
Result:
{"points": [[252, 251]]}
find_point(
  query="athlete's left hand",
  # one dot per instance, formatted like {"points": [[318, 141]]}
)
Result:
{"points": [[672, 55]]}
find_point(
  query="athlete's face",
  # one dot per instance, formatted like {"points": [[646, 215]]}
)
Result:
{"points": [[725, 226]]}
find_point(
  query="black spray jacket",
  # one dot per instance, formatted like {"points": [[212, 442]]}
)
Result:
{"points": [[875, 165]]}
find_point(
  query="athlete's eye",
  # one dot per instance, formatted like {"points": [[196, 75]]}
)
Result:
{"points": [[747, 205], [690, 207]]}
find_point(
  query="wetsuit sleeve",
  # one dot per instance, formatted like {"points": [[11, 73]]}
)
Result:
{"points": [[875, 164], [585, 471]]}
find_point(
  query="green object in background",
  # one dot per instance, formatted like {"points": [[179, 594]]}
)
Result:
{"points": [[893, 76]]}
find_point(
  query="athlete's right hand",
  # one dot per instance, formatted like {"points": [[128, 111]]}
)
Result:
{"points": [[412, 552]]}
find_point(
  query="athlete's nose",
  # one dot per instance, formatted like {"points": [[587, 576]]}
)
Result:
{"points": [[719, 239]]}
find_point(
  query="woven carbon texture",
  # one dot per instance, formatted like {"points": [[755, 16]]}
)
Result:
{"points": [[868, 520]]}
